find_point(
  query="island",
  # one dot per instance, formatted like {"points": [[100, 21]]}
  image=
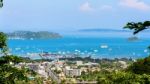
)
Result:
{"points": [[133, 38], [102, 30], [33, 35]]}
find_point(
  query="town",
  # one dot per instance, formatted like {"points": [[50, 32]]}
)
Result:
{"points": [[72, 70]]}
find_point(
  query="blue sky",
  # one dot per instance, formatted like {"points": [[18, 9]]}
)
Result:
{"points": [[71, 15]]}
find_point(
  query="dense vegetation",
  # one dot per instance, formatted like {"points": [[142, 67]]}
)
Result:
{"points": [[13, 74], [9, 74], [1, 3], [116, 77], [3, 39], [137, 73], [33, 35], [142, 66], [124, 78]]}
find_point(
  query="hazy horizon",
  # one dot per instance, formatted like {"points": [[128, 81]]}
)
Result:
{"points": [[65, 15]]}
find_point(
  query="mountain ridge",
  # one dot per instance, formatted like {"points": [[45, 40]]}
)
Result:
{"points": [[32, 35]]}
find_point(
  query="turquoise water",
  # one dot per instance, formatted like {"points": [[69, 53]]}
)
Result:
{"points": [[96, 47]]}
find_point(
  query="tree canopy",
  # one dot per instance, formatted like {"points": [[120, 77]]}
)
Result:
{"points": [[121, 77], [138, 27], [1, 3], [8, 73], [3, 43], [142, 66]]}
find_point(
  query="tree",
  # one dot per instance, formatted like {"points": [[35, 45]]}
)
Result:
{"points": [[142, 66], [123, 78], [3, 39], [3, 43], [8, 73], [138, 27], [1, 3]]}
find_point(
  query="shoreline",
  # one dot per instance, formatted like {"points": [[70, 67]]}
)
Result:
{"points": [[71, 56]]}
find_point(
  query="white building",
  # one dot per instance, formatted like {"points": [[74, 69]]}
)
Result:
{"points": [[71, 72], [39, 68], [78, 63]]}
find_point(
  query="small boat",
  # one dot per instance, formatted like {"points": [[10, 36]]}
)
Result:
{"points": [[104, 46], [95, 50]]}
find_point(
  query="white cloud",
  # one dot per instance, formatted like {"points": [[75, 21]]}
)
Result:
{"points": [[136, 4], [86, 7]]}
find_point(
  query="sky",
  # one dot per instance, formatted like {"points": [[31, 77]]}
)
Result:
{"points": [[71, 15]]}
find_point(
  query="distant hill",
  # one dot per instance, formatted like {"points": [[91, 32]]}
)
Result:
{"points": [[107, 30], [103, 30], [33, 35]]}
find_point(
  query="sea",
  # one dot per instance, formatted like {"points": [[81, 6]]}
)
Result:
{"points": [[96, 47]]}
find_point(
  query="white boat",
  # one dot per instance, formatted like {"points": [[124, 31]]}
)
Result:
{"points": [[95, 50], [104, 46]]}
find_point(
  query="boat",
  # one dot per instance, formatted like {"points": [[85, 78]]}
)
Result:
{"points": [[104, 46]]}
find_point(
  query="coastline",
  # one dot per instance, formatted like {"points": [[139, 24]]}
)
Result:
{"points": [[95, 47]]}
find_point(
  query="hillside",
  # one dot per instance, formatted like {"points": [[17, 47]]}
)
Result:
{"points": [[33, 35]]}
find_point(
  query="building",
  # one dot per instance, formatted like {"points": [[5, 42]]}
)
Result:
{"points": [[76, 72], [71, 72], [34, 67], [79, 63], [39, 68]]}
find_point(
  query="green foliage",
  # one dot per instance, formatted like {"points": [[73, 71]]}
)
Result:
{"points": [[116, 77], [33, 35], [1, 3], [106, 64], [137, 27], [35, 81], [123, 78], [57, 71], [63, 82], [3, 43], [10, 74], [142, 66], [11, 58], [90, 76]]}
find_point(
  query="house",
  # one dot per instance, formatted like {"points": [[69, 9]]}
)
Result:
{"points": [[79, 63], [71, 72]]}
